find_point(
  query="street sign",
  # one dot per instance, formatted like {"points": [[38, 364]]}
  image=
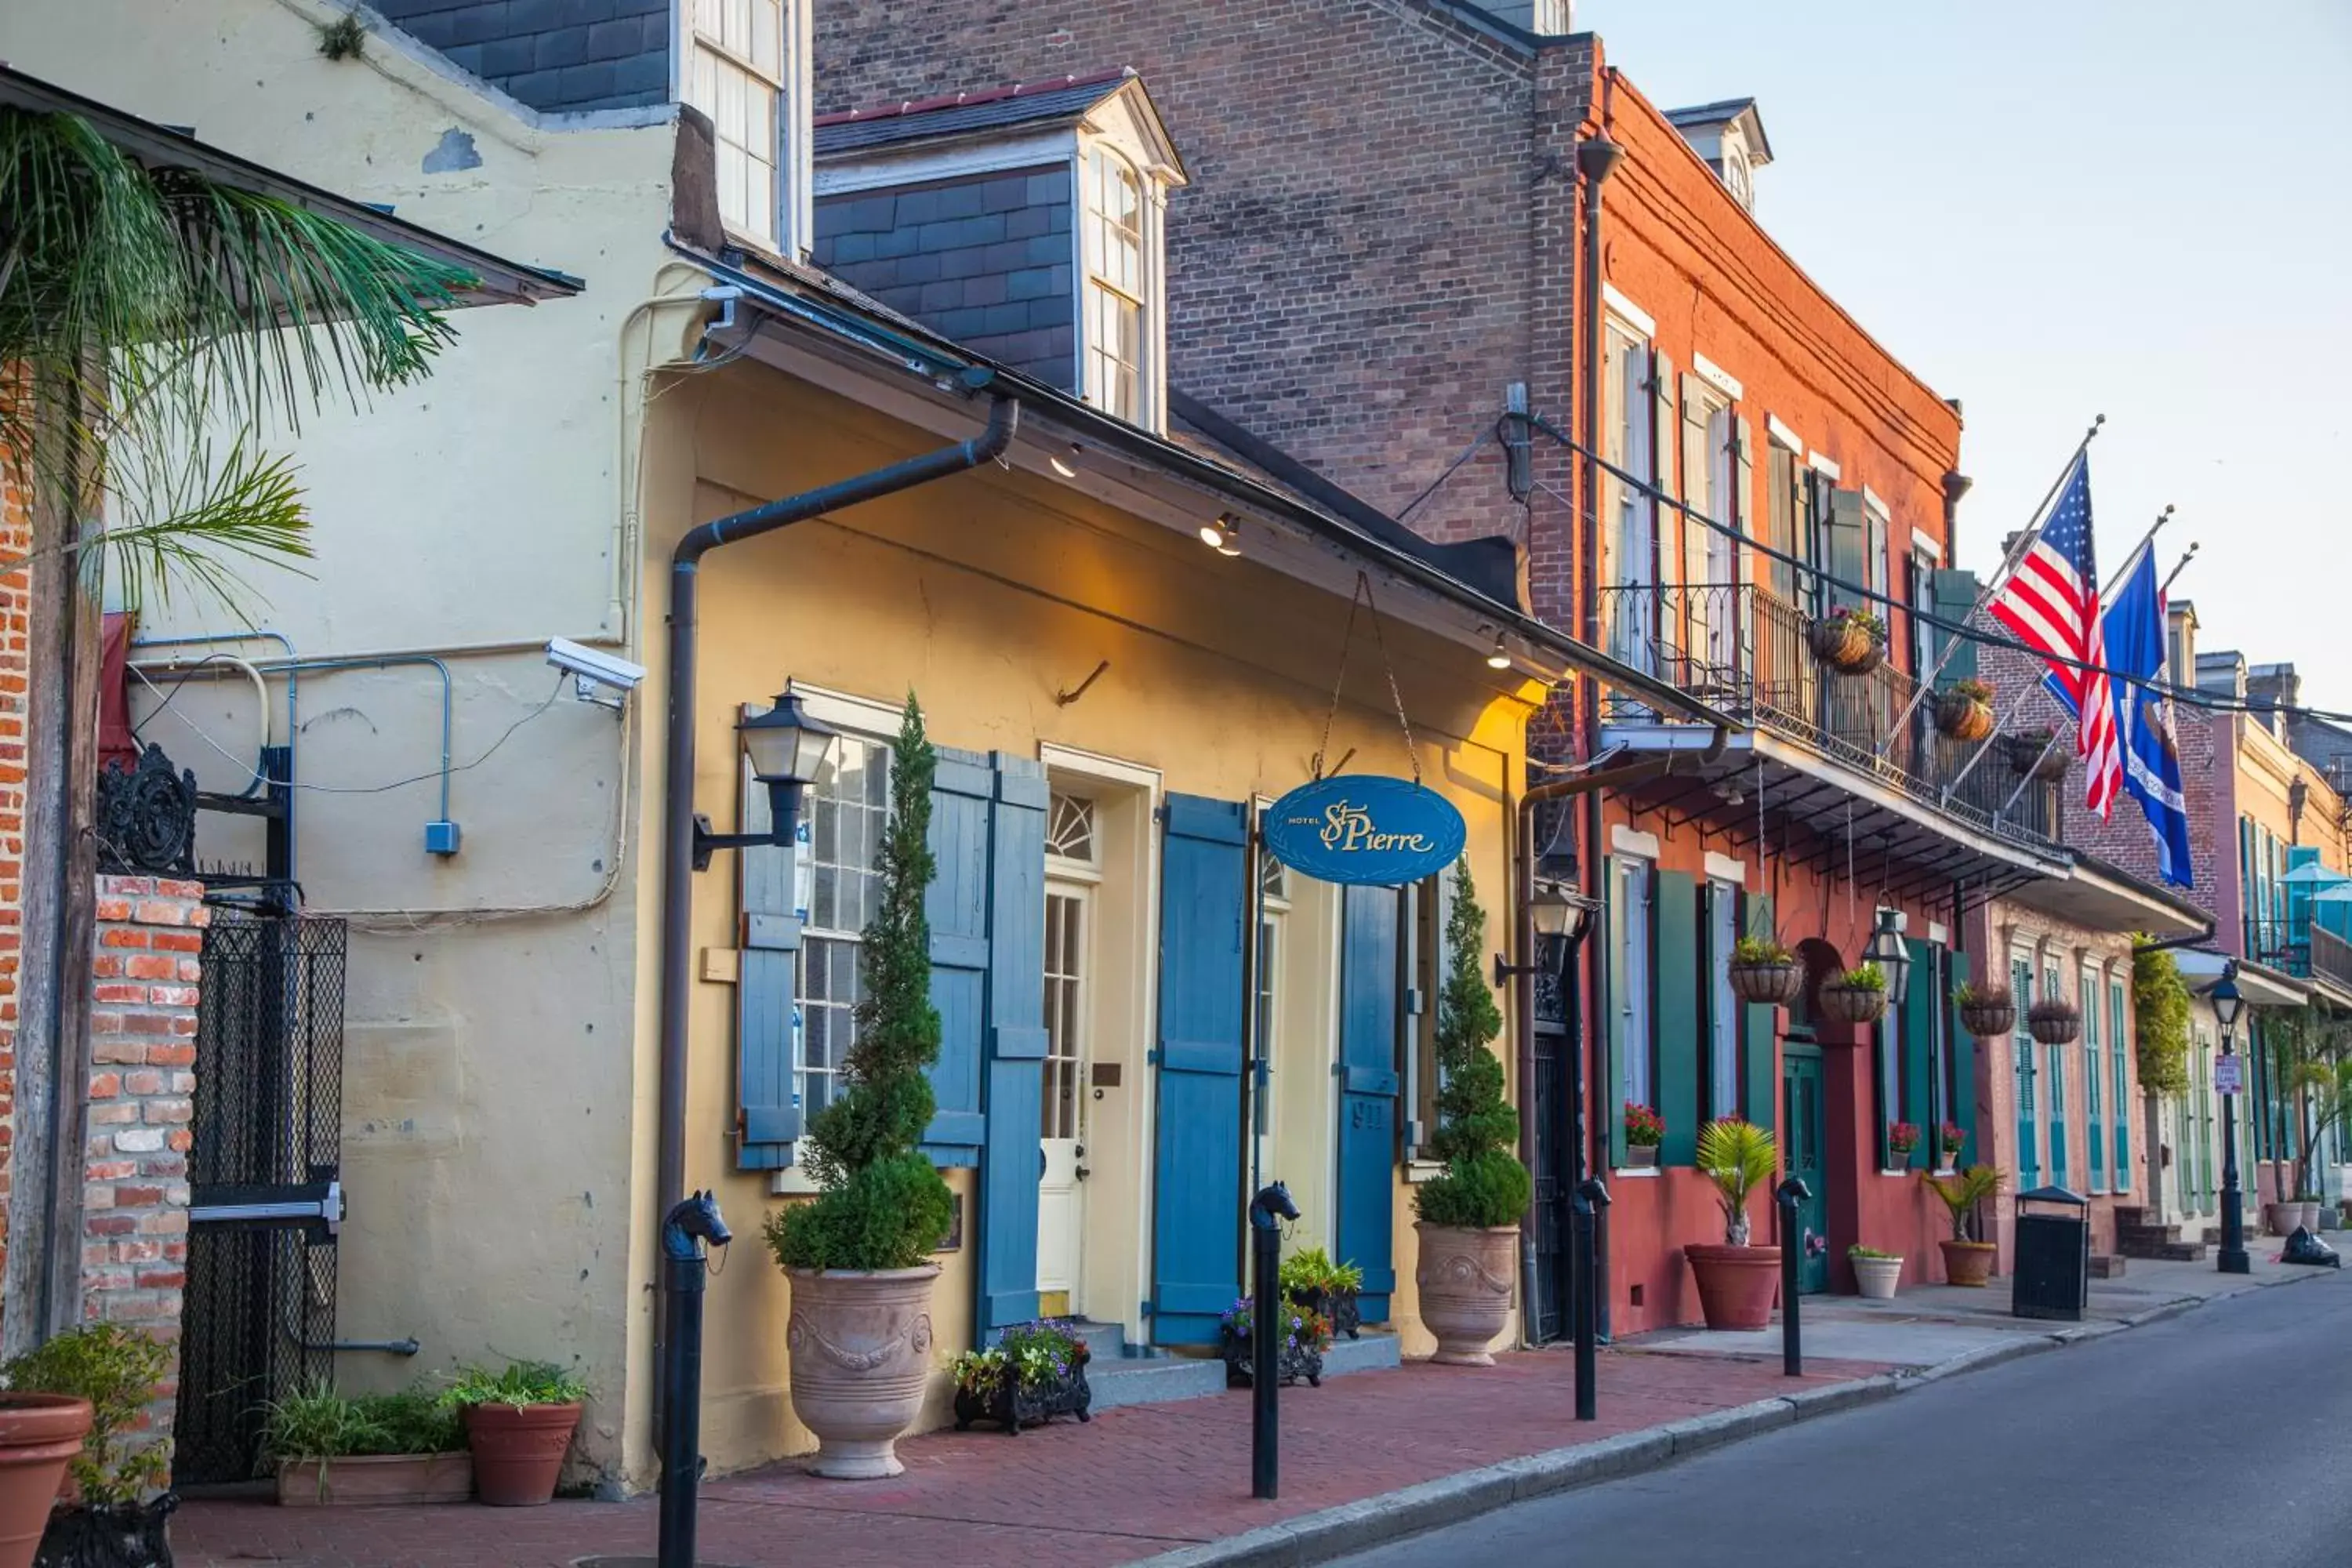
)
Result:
{"points": [[2226, 1074], [1364, 828]]}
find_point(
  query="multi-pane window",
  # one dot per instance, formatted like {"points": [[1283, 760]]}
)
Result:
{"points": [[837, 881], [735, 75], [1627, 512], [1065, 950], [1114, 284], [1633, 911], [1723, 1008]]}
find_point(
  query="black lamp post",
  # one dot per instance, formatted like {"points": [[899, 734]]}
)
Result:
{"points": [[786, 748], [1892, 954], [2227, 1005]]}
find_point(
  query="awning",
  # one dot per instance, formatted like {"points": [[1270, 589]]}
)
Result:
{"points": [[2260, 985], [2100, 897], [500, 281]]}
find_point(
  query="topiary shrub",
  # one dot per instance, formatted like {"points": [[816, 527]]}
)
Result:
{"points": [[1483, 1186], [881, 1204]]}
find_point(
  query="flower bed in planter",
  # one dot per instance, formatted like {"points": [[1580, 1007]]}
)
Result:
{"points": [[1333, 1292], [1299, 1355], [334, 1449], [1033, 1373]]}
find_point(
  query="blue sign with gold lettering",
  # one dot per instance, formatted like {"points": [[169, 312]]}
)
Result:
{"points": [[1364, 828]]}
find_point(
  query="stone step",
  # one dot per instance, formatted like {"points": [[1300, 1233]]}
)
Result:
{"points": [[2149, 1233], [1377, 1351], [2106, 1266], [1152, 1380], [2130, 1214]]}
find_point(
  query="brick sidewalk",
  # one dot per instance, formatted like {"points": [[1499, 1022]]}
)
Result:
{"points": [[1136, 1482]]}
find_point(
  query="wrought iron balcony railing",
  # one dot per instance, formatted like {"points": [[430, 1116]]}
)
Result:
{"points": [[2282, 944], [1744, 650], [2331, 956]]}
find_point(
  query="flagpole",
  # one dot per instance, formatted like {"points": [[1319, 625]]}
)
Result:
{"points": [[2104, 595], [2009, 560], [2166, 586]]}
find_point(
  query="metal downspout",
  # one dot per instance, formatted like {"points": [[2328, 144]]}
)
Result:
{"points": [[678, 801]]}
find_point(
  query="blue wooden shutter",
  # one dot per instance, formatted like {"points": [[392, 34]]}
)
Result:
{"points": [[1681, 1043], [1014, 1045], [962, 793], [1921, 1002], [1760, 1066], [1370, 982], [768, 938], [1197, 1177], [1962, 1055]]}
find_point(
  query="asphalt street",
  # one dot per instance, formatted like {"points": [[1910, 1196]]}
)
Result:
{"points": [[2218, 1439]]}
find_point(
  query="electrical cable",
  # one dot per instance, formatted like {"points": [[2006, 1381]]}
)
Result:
{"points": [[1467, 453]]}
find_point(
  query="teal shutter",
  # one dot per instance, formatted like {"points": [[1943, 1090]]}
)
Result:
{"points": [[1921, 1004], [2022, 1046], [1197, 1195], [1613, 1009], [1956, 597], [1962, 1055], [2094, 1073], [956, 904], [1681, 1042], [768, 940], [1014, 1044], [1760, 1047], [1848, 553], [2118, 1039], [1370, 996]]}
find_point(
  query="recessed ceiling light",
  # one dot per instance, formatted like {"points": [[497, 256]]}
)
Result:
{"points": [[1065, 467], [1499, 658], [1220, 533]]}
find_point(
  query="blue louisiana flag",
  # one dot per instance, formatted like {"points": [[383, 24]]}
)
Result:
{"points": [[2134, 629]]}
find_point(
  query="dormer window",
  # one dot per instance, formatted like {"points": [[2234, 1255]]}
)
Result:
{"points": [[1738, 178], [742, 65], [1729, 136], [1026, 223]]}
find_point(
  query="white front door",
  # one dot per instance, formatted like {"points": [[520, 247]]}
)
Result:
{"points": [[1070, 930]]}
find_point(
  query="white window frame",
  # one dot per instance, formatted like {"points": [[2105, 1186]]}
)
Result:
{"points": [[1723, 1010], [784, 81], [805, 904]]}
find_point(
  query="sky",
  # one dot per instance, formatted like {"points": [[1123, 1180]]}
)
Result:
{"points": [[2055, 210]]}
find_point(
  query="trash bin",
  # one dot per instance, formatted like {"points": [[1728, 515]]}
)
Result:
{"points": [[2052, 1277]]}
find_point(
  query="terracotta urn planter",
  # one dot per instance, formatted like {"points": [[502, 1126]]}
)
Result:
{"points": [[1877, 1277], [39, 1433], [1853, 1004], [1466, 1278], [1778, 984], [2054, 1023], [362, 1480], [1967, 1262], [861, 1348], [1736, 1284], [1990, 1017], [1963, 718], [518, 1451]]}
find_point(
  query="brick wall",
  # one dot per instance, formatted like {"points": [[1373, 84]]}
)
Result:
{"points": [[553, 55], [145, 982], [16, 627]]}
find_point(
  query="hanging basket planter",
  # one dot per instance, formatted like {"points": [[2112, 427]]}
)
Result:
{"points": [[1848, 1003], [1988, 1015], [1851, 642], [1965, 712], [1775, 983], [2035, 755], [2055, 1022]]}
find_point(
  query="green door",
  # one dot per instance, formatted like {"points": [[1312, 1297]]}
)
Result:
{"points": [[1801, 1120]]}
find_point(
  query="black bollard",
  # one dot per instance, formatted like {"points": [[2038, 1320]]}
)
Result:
{"points": [[1271, 1205], [1789, 1194], [691, 1223], [1588, 1209]]}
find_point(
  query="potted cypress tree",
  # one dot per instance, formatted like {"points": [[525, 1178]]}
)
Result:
{"points": [[1469, 1223], [859, 1254]]}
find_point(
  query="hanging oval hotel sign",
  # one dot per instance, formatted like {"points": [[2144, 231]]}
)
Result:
{"points": [[1364, 828]]}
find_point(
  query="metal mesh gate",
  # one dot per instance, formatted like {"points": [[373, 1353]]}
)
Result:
{"points": [[264, 1173]]}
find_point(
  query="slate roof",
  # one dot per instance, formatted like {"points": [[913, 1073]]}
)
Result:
{"points": [[1723, 111], [1056, 99]]}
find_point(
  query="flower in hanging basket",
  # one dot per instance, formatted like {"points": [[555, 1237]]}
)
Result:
{"points": [[1902, 1137], [1761, 970], [1988, 1011], [1856, 996], [1644, 1128], [2037, 753], [1964, 711], [2054, 1021], [1851, 640]]}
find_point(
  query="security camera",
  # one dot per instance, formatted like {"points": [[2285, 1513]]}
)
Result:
{"points": [[595, 672]]}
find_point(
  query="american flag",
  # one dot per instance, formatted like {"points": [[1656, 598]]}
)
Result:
{"points": [[2051, 602]]}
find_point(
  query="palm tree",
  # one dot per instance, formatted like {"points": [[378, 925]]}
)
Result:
{"points": [[153, 322]]}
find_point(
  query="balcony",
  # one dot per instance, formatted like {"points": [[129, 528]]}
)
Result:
{"points": [[1745, 651], [2300, 946]]}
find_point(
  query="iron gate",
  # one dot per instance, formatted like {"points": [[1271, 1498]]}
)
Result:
{"points": [[1551, 1159], [265, 1198]]}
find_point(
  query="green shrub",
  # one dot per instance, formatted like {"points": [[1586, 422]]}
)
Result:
{"points": [[1483, 1186], [319, 1422], [522, 1382], [2160, 1005], [880, 1204], [1477, 1191], [116, 1369]]}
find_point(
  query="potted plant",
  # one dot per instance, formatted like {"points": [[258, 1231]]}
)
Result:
{"points": [[1949, 1141], [1851, 640], [115, 1512], [1299, 1353], [1644, 1130], [2054, 1021], [1033, 1373], [859, 1254], [1988, 1012], [1902, 1138], [38, 1434], [1967, 1260], [1334, 1290], [332, 1448], [1856, 996], [2035, 753], [1764, 970], [1876, 1272], [1469, 1213], [519, 1423], [1735, 1281], [1964, 711]]}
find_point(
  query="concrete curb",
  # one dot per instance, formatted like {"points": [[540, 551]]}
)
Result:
{"points": [[1334, 1532]]}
